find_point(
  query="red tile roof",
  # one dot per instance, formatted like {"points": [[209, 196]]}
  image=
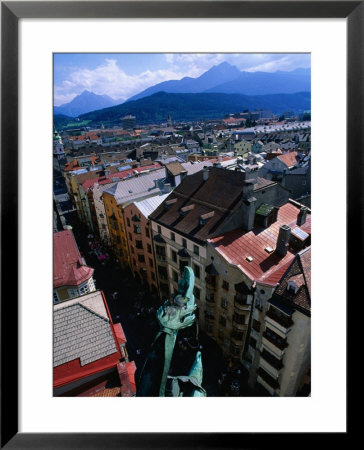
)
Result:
{"points": [[237, 245], [119, 175], [289, 159], [68, 267], [73, 165]]}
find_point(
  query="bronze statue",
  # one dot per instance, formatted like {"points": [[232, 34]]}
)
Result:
{"points": [[172, 317]]}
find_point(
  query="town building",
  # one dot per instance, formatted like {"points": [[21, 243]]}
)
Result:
{"points": [[275, 168], [89, 351], [71, 276], [205, 204], [242, 147], [128, 122], [140, 239], [246, 265], [82, 182], [281, 358], [122, 194], [58, 148]]}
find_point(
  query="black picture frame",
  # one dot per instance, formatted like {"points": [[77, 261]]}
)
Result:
{"points": [[11, 12]]}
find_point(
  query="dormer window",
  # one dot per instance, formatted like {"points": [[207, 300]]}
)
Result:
{"points": [[169, 203], [204, 218], [292, 287], [186, 209]]}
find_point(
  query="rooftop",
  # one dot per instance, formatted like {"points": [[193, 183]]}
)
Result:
{"points": [[298, 272], [221, 193], [69, 269], [81, 330], [134, 188], [235, 246], [289, 159]]}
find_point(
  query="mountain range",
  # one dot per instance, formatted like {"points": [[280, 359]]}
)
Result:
{"points": [[85, 102], [187, 107], [223, 78], [228, 79]]}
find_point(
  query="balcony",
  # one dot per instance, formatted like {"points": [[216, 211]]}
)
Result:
{"points": [[237, 337], [279, 321], [277, 346], [240, 302], [268, 379], [239, 323]]}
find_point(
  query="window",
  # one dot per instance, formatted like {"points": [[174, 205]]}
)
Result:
{"points": [[224, 303], [132, 250], [83, 290], [197, 292], [173, 237], [137, 229], [130, 237], [174, 256], [256, 325], [147, 232], [150, 262], [162, 272], [196, 270], [184, 243], [222, 321], [175, 276], [196, 250], [161, 252], [159, 229], [55, 298], [141, 258], [237, 334], [235, 350], [275, 338], [153, 275], [149, 248], [139, 245], [239, 318], [252, 342], [128, 221], [225, 285]]}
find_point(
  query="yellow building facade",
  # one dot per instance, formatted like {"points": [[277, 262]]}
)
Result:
{"points": [[116, 226]]}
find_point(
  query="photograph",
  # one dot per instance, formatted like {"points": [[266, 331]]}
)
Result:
{"points": [[181, 224], [171, 221]]}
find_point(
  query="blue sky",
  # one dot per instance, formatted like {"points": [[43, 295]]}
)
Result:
{"points": [[122, 75]]}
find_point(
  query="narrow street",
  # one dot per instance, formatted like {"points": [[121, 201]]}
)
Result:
{"points": [[135, 308]]}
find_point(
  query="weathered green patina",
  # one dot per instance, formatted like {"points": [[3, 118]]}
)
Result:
{"points": [[172, 317]]}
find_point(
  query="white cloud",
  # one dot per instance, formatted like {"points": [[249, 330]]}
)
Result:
{"points": [[108, 78]]}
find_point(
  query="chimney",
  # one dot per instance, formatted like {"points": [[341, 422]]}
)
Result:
{"points": [[283, 239], [205, 173], [301, 218], [248, 205], [107, 173], [248, 188]]}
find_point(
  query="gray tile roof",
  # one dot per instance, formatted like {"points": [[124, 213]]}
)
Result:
{"points": [[134, 188], [80, 332]]}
